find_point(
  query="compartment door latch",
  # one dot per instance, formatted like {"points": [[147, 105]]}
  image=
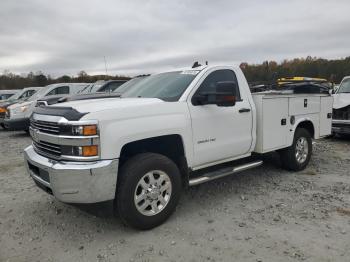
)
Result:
{"points": [[305, 102]]}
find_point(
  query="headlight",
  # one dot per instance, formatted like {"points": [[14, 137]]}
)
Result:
{"points": [[24, 108], [86, 130], [85, 151]]}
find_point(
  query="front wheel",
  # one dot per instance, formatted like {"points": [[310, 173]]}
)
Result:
{"points": [[148, 190], [297, 156]]}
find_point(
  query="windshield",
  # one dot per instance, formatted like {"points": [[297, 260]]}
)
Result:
{"points": [[23, 95], [166, 86], [16, 96], [344, 86], [126, 86], [92, 88], [40, 93]]}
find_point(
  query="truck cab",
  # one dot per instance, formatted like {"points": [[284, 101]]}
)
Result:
{"points": [[173, 129]]}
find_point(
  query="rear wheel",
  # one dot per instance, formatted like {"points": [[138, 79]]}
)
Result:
{"points": [[297, 156], [149, 187]]}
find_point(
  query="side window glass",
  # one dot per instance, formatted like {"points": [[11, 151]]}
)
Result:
{"points": [[114, 86], [223, 75], [59, 91], [24, 95], [63, 90], [52, 92], [30, 93]]}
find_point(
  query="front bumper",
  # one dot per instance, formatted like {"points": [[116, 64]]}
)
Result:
{"points": [[17, 124], [341, 126], [73, 182]]}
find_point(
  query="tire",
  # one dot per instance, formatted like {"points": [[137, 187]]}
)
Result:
{"points": [[135, 180], [290, 157]]}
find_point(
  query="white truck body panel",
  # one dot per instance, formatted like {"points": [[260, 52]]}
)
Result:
{"points": [[274, 112], [216, 135]]}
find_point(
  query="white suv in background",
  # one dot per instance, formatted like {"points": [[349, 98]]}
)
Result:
{"points": [[17, 116]]}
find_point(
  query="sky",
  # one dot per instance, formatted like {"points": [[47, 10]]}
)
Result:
{"points": [[147, 36]]}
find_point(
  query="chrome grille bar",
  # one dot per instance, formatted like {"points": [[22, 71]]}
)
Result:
{"points": [[45, 127], [46, 149]]}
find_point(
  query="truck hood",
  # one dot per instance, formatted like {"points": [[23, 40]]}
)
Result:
{"points": [[96, 105], [341, 100], [20, 103]]}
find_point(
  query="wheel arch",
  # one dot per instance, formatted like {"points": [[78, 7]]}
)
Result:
{"points": [[308, 125], [171, 146]]}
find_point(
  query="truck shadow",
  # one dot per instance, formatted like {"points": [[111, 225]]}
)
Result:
{"points": [[101, 210], [17, 134], [341, 138]]}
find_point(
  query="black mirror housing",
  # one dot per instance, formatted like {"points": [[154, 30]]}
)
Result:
{"points": [[225, 95]]}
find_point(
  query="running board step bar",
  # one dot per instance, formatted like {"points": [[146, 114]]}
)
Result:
{"points": [[223, 172]]}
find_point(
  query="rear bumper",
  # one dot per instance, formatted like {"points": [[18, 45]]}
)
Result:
{"points": [[73, 182], [341, 126], [17, 124]]}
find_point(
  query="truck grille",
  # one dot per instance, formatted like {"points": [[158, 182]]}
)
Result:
{"points": [[47, 149], [45, 127], [342, 113]]}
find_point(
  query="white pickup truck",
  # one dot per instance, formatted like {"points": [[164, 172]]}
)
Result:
{"points": [[173, 129]]}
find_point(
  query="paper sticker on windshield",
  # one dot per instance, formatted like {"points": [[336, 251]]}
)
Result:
{"points": [[190, 72]]}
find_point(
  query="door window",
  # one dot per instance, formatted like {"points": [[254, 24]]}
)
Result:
{"points": [[223, 75]]}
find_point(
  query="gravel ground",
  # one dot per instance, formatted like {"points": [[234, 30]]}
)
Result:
{"points": [[266, 214]]}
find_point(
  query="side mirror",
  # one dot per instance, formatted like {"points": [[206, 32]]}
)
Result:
{"points": [[224, 95]]}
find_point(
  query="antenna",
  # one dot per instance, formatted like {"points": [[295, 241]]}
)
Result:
{"points": [[105, 64]]}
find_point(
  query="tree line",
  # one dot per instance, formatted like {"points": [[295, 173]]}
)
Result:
{"points": [[266, 72], [10, 80], [269, 71]]}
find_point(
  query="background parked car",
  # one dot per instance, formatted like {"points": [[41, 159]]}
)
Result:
{"points": [[17, 115], [6, 94], [341, 108], [100, 86], [89, 92], [103, 86], [20, 96]]}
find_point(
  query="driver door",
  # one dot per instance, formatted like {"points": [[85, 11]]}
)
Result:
{"points": [[220, 133]]}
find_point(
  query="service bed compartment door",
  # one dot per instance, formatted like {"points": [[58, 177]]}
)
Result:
{"points": [[274, 123], [304, 105], [325, 115]]}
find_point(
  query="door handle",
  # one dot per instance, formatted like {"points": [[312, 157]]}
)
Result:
{"points": [[244, 110]]}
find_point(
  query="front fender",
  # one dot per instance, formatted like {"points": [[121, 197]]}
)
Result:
{"points": [[117, 132]]}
